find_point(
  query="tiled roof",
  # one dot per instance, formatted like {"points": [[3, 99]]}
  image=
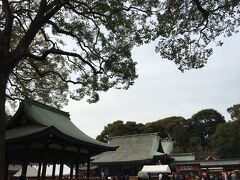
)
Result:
{"points": [[132, 148], [43, 117]]}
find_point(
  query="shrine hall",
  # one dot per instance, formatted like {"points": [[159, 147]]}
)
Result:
{"points": [[43, 135]]}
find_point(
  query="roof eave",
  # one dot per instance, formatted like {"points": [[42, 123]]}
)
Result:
{"points": [[122, 162]]}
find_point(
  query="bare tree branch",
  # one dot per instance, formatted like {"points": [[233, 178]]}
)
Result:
{"points": [[12, 97], [38, 22], [203, 11], [20, 23]]}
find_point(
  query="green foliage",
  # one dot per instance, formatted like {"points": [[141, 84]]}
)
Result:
{"points": [[100, 35], [204, 123], [234, 111], [194, 142], [189, 135], [174, 127], [155, 127], [89, 43], [190, 26], [118, 128], [226, 139]]}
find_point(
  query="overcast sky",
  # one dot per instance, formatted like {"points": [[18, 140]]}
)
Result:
{"points": [[162, 90]]}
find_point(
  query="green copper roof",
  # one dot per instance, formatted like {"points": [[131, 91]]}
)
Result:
{"points": [[43, 116], [23, 131], [132, 148]]}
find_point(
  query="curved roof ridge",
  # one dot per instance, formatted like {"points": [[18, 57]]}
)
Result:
{"points": [[48, 107], [134, 135], [49, 116]]}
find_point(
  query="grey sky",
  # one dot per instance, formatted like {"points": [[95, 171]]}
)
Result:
{"points": [[162, 90]]}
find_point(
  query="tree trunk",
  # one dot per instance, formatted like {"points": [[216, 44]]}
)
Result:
{"points": [[3, 84]]}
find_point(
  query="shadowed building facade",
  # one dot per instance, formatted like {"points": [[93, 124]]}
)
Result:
{"points": [[43, 135]]}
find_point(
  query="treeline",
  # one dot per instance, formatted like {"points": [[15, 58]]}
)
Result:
{"points": [[206, 130]]}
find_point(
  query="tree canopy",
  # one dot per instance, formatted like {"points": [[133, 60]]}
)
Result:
{"points": [[234, 112], [119, 128], [174, 127], [204, 124], [197, 134], [226, 137], [99, 36]]}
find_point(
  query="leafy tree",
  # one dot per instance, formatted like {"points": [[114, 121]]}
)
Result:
{"points": [[204, 124], [194, 143], [101, 33], [175, 127], [134, 128], [234, 111], [155, 126], [226, 139], [118, 128]]}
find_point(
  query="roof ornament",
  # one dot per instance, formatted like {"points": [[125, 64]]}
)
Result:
{"points": [[107, 138]]}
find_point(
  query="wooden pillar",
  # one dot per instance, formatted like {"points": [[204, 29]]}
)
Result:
{"points": [[71, 171], [77, 169], [45, 159], [44, 168], [6, 171], [24, 169], [25, 162], [77, 164], [6, 164], [61, 171], [39, 171], [53, 170], [61, 163], [88, 167]]}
